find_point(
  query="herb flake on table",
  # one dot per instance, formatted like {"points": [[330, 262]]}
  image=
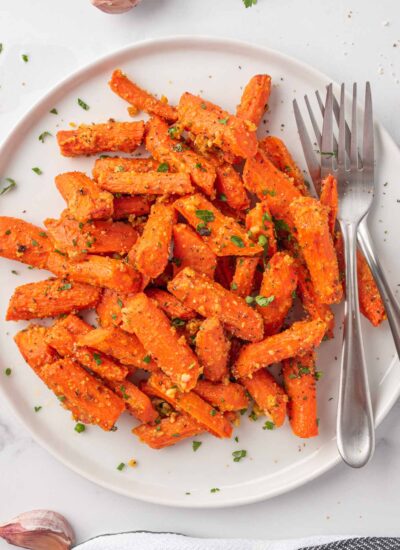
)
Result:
{"points": [[79, 427], [82, 104], [249, 3], [215, 490], [269, 425], [238, 455], [53, 111], [163, 167], [37, 408], [196, 445], [25, 58], [11, 184], [43, 136], [121, 466], [37, 170], [7, 371]]}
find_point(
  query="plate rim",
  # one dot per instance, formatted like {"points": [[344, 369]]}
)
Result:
{"points": [[26, 120]]}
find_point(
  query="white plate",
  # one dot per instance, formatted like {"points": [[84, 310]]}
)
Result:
{"points": [[277, 461]]}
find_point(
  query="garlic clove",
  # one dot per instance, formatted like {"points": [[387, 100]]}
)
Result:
{"points": [[39, 530], [115, 6]]}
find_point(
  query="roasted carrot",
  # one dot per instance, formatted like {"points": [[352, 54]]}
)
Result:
{"points": [[212, 349], [191, 251], [136, 402], [254, 99], [121, 345], [144, 318], [84, 199], [230, 187], [170, 305], [311, 221], [299, 338], [329, 198], [32, 345], [243, 278], [104, 167], [98, 237], [192, 404], [23, 242], [139, 98], [150, 183], [109, 308], [268, 395], [177, 155], [86, 397], [63, 337], [135, 205], [261, 228], [225, 397], [169, 431], [98, 138], [97, 270], [221, 233], [300, 385], [218, 127], [50, 298], [280, 157], [278, 286], [210, 299], [152, 251]]}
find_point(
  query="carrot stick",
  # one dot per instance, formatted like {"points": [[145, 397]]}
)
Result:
{"points": [[230, 187], [98, 138], [278, 285], [178, 156], [329, 198], [243, 278], [170, 305], [136, 402], [84, 199], [131, 206], [32, 345], [191, 251], [23, 242], [104, 167], [139, 98], [152, 251], [121, 345], [254, 99], [218, 127], [210, 299], [225, 397], [98, 237], [169, 431], [299, 380], [268, 395], [299, 338], [142, 317], [150, 183], [259, 222], [109, 308], [212, 349], [50, 298], [192, 404], [221, 233], [313, 236], [280, 157], [98, 271]]}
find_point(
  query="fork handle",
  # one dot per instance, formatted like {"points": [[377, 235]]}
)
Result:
{"points": [[391, 305], [355, 426]]}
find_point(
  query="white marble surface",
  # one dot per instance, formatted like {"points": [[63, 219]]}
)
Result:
{"points": [[345, 39]]}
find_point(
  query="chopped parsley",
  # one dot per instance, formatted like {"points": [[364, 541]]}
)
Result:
{"points": [[120, 302], [37, 408], [61, 398], [234, 286], [34, 242], [213, 412], [238, 455], [11, 184], [59, 252], [266, 218], [7, 371], [264, 301], [214, 490], [237, 241], [82, 104], [262, 240], [97, 359], [43, 136], [196, 445], [14, 272], [173, 132], [318, 375], [222, 197], [163, 167], [25, 58], [178, 148], [146, 359], [65, 286], [203, 230], [281, 225], [236, 439], [121, 466], [270, 192], [176, 322], [80, 427], [269, 425], [205, 215], [123, 392], [249, 3], [53, 111], [223, 120], [37, 170]]}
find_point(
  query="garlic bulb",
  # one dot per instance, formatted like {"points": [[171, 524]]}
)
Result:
{"points": [[115, 6], [39, 530]]}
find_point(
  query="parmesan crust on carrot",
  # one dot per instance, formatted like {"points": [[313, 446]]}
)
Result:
{"points": [[23, 242], [169, 431], [254, 99], [212, 349], [268, 395], [191, 251]]}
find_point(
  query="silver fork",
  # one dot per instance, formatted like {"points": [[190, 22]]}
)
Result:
{"points": [[355, 426]]}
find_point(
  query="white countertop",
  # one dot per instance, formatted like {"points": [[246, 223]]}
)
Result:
{"points": [[347, 40]]}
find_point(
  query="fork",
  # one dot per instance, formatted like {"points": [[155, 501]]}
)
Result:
{"points": [[355, 426]]}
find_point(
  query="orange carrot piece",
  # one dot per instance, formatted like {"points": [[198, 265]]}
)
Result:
{"points": [[221, 233], [136, 402], [98, 271], [230, 187], [169, 431], [98, 237], [314, 238], [84, 199], [150, 183], [225, 397], [299, 338], [218, 127], [32, 345], [371, 303], [23, 242], [212, 349], [243, 278], [144, 318], [225, 271], [280, 157], [63, 337], [152, 251], [259, 222], [192, 404], [121, 345], [170, 305], [109, 308], [104, 167], [131, 206], [98, 138], [50, 298], [86, 397], [300, 385], [191, 251], [329, 198], [139, 98], [210, 299], [254, 99], [278, 285], [178, 156], [269, 396]]}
